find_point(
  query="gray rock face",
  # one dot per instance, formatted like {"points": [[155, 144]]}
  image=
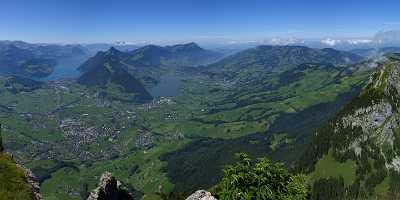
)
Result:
{"points": [[110, 189], [201, 195], [377, 123], [394, 78]]}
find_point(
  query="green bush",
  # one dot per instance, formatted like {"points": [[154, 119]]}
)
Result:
{"points": [[263, 180]]}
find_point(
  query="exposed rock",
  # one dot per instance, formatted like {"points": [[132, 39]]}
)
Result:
{"points": [[395, 164], [394, 78], [201, 195], [376, 121], [110, 189], [369, 118], [34, 183]]}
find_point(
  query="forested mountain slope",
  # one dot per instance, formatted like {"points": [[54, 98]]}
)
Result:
{"points": [[356, 154], [111, 77]]}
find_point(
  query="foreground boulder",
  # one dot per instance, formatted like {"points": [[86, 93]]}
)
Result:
{"points": [[110, 189], [201, 195]]}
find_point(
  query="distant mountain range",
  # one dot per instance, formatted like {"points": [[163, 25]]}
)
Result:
{"points": [[40, 59], [23, 62], [264, 59], [390, 38], [49, 51], [182, 55], [34, 60]]}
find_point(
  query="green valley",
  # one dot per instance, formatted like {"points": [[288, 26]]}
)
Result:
{"points": [[68, 134]]}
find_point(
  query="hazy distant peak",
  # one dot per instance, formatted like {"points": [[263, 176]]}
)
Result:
{"points": [[188, 47], [113, 51], [191, 45]]}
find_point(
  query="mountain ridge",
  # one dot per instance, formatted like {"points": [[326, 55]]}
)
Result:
{"points": [[180, 55], [267, 58], [35, 60]]}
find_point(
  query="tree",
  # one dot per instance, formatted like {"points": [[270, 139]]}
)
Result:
{"points": [[263, 180]]}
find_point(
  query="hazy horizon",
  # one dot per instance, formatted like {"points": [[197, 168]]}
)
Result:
{"points": [[180, 21]]}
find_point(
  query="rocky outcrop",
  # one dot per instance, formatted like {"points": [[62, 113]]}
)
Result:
{"points": [[110, 189], [201, 195], [372, 119]]}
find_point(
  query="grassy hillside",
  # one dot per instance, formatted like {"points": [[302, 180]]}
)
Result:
{"points": [[13, 184]]}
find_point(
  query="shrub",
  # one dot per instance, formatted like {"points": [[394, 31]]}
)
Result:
{"points": [[263, 180]]}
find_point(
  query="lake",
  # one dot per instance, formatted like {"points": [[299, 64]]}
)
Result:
{"points": [[66, 68], [168, 85]]}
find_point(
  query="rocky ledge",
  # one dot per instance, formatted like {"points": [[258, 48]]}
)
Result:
{"points": [[110, 189], [33, 182]]}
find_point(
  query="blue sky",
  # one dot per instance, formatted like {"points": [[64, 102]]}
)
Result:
{"points": [[72, 21]]}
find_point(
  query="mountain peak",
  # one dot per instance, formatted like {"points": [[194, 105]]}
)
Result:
{"points": [[282, 58], [113, 51], [192, 44], [110, 72], [185, 47]]}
